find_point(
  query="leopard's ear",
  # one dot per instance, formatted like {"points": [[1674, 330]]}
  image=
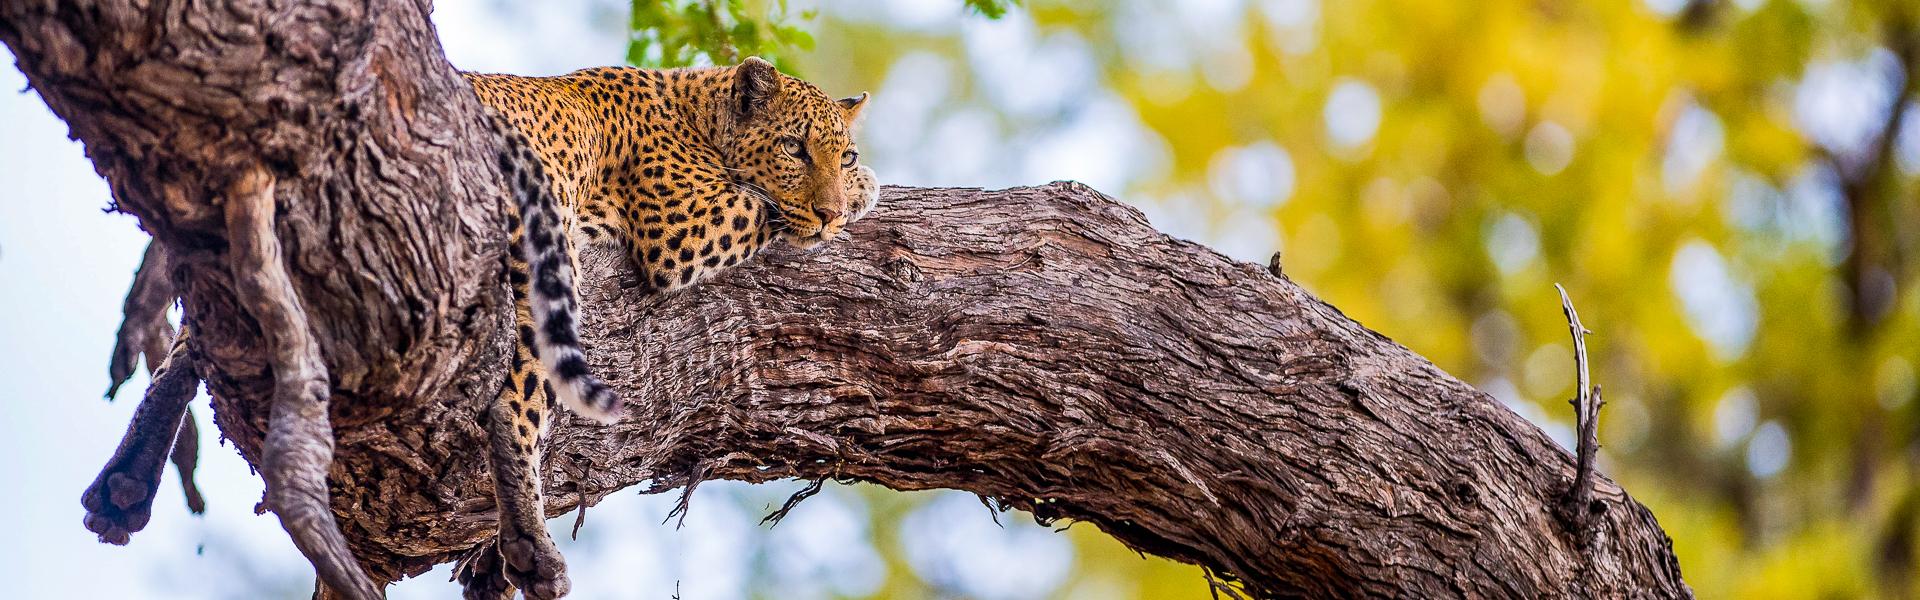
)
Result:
{"points": [[852, 105], [755, 84]]}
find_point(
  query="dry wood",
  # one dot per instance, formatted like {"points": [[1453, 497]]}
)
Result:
{"points": [[1042, 347], [299, 437], [1578, 509]]}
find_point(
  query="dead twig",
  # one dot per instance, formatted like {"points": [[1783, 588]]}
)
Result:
{"points": [[1580, 506], [792, 501]]}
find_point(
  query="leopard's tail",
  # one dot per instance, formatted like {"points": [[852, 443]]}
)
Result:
{"points": [[556, 313]]}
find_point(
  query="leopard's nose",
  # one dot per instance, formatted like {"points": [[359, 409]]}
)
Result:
{"points": [[827, 215]]}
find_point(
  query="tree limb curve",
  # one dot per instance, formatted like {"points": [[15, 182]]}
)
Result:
{"points": [[1042, 347]]}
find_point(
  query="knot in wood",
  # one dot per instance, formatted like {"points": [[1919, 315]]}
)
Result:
{"points": [[903, 270], [1464, 491]]}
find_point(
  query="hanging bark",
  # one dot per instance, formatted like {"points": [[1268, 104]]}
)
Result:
{"points": [[1042, 347]]}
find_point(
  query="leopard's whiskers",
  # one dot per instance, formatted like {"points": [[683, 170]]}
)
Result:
{"points": [[780, 220]]}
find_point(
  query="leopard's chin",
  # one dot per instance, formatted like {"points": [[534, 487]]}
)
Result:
{"points": [[805, 240], [810, 239]]}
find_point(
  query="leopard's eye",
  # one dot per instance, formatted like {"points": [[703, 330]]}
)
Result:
{"points": [[793, 147], [847, 160]]}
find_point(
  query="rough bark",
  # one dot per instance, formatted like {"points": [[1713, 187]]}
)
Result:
{"points": [[1042, 347]]}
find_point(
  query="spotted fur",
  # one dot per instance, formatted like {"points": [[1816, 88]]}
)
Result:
{"points": [[690, 171]]}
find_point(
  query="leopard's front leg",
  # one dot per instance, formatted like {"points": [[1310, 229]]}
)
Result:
{"points": [[121, 499]]}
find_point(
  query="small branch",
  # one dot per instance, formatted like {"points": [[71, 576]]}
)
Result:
{"points": [[1216, 585], [994, 508], [1580, 507], [1868, 183], [681, 507], [299, 443], [792, 501]]}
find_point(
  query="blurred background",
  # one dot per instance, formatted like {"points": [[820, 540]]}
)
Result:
{"points": [[1726, 187]]}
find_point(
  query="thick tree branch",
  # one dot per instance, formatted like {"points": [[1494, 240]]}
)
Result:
{"points": [[1047, 348], [1042, 347]]}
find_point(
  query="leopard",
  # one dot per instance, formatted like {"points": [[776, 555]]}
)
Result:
{"points": [[690, 172]]}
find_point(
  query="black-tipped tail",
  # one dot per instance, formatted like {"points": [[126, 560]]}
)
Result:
{"points": [[551, 293]]}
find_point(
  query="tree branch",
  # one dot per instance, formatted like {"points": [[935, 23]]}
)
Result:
{"points": [[1041, 347], [1046, 348]]}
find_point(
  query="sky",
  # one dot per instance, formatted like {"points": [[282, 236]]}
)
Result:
{"points": [[64, 269]]}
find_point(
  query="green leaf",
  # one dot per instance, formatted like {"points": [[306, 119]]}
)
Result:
{"points": [[992, 9]]}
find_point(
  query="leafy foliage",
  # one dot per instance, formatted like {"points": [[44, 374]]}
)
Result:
{"points": [[679, 33], [992, 9]]}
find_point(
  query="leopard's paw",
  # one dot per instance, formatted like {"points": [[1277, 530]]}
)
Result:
{"points": [[118, 504], [533, 564]]}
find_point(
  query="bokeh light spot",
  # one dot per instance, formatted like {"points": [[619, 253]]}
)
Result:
{"points": [[1549, 147], [1352, 113]]}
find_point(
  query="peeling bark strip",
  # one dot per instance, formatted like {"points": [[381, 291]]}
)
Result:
{"points": [[299, 442], [1042, 347]]}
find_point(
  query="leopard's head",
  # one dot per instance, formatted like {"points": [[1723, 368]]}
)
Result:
{"points": [[793, 145]]}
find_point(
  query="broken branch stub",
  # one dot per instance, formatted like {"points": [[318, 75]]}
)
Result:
{"points": [[1580, 507]]}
